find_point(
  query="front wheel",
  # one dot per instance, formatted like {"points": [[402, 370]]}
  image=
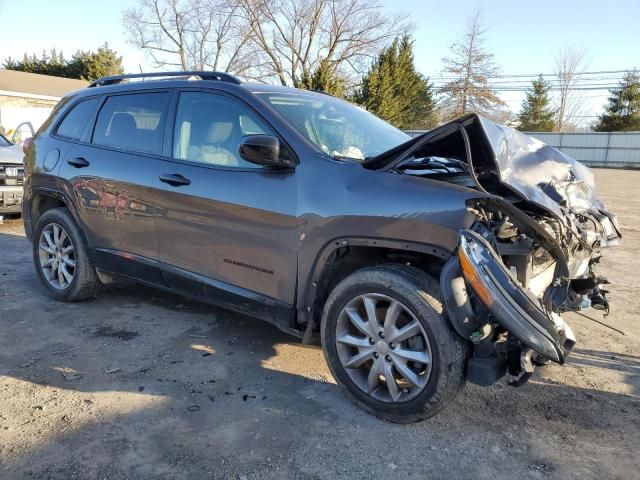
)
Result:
{"points": [[388, 343]]}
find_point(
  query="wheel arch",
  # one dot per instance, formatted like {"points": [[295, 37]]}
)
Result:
{"points": [[43, 199], [343, 255]]}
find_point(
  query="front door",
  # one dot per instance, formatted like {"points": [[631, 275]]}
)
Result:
{"points": [[111, 178], [225, 225]]}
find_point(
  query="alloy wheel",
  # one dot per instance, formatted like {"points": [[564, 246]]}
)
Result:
{"points": [[383, 348], [57, 256]]}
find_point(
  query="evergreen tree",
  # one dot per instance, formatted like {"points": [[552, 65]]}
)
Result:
{"points": [[93, 65], [83, 65], [471, 65], [623, 110], [324, 79], [536, 115], [395, 91]]}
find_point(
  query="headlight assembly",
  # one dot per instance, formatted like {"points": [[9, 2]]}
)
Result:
{"points": [[517, 310]]}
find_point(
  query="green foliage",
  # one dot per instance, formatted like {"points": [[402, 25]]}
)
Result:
{"points": [[83, 65], [52, 63], [395, 91], [622, 113], [536, 114], [324, 79]]}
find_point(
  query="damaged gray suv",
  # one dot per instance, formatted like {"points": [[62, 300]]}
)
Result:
{"points": [[418, 264]]}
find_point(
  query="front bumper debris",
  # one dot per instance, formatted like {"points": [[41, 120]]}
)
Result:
{"points": [[513, 307]]}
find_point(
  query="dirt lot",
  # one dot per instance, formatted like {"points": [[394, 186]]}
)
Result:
{"points": [[141, 384]]}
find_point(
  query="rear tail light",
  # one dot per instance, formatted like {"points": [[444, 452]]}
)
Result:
{"points": [[26, 144]]}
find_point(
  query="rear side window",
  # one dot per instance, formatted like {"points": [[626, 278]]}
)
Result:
{"points": [[77, 119], [133, 122]]}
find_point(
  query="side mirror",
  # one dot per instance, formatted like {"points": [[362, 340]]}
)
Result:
{"points": [[263, 150]]}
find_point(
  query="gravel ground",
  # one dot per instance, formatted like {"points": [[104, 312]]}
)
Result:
{"points": [[142, 384]]}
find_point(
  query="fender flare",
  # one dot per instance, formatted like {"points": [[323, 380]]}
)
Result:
{"points": [[306, 299], [64, 198]]}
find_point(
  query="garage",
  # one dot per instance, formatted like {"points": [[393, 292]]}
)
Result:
{"points": [[29, 98]]}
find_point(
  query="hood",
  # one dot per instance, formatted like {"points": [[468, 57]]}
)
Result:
{"points": [[511, 165], [12, 154]]}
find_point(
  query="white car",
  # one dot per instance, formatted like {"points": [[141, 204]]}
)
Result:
{"points": [[11, 176]]}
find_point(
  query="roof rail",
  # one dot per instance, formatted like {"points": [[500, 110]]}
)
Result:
{"points": [[116, 79]]}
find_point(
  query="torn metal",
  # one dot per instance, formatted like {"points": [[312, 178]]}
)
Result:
{"points": [[532, 252]]}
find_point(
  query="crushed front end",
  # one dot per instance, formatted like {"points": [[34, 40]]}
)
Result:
{"points": [[512, 277], [532, 251], [531, 255]]}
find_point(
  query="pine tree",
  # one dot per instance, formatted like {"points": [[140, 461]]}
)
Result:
{"points": [[83, 65], [395, 91], [472, 66], [93, 65], [324, 79], [623, 110], [536, 114]]}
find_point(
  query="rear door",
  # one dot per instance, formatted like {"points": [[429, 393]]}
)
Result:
{"points": [[223, 222], [110, 173]]}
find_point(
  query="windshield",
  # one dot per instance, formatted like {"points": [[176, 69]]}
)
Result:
{"points": [[338, 128], [4, 142]]}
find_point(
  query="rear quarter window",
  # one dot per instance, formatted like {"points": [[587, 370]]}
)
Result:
{"points": [[133, 122], [78, 118]]}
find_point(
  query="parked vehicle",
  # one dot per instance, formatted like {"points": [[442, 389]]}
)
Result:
{"points": [[11, 176], [417, 263]]}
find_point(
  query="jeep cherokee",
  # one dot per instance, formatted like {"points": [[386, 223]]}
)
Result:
{"points": [[418, 263]]}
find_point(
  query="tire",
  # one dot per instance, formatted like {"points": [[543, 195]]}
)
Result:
{"points": [[419, 296], [84, 282]]}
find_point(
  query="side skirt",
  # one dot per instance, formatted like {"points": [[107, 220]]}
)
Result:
{"points": [[201, 288]]}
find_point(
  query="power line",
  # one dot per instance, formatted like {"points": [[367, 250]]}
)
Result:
{"points": [[532, 75]]}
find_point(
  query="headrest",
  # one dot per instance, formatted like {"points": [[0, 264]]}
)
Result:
{"points": [[219, 132], [122, 124]]}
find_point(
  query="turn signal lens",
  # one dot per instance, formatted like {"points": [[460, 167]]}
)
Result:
{"points": [[472, 276]]}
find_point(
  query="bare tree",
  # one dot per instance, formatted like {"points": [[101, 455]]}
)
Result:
{"points": [[293, 39], [568, 64], [189, 34], [471, 67]]}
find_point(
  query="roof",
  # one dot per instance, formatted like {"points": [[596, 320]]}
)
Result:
{"points": [[35, 84]]}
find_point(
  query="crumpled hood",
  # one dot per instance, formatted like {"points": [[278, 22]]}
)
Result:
{"points": [[12, 154], [541, 173], [504, 157]]}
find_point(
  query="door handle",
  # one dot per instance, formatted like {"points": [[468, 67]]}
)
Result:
{"points": [[78, 162], [175, 179]]}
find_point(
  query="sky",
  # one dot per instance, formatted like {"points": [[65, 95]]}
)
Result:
{"points": [[523, 36]]}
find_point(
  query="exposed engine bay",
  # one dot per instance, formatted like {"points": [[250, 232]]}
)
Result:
{"points": [[532, 252]]}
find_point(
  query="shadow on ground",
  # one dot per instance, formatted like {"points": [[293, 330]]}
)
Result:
{"points": [[141, 384]]}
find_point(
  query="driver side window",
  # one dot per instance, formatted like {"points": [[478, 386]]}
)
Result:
{"points": [[209, 129]]}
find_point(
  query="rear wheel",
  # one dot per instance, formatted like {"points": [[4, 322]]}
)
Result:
{"points": [[61, 259], [389, 345]]}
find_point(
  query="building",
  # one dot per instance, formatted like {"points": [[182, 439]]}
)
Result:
{"points": [[29, 97]]}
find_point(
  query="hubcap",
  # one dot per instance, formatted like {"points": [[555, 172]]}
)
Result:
{"points": [[383, 348], [57, 256]]}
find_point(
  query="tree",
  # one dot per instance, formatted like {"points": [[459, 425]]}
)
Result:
{"points": [[325, 80], [393, 89], [83, 65], [568, 64], [190, 34], [93, 65], [623, 110], [472, 66], [536, 115], [293, 40], [52, 63]]}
